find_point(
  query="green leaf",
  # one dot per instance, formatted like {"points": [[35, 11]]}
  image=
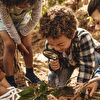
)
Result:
{"points": [[43, 87], [27, 91]]}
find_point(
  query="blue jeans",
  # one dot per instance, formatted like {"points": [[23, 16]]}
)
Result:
{"points": [[97, 70]]}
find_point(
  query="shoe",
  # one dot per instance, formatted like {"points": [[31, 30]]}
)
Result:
{"points": [[12, 82], [32, 78]]}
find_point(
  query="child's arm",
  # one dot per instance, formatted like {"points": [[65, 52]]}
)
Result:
{"points": [[36, 14], [95, 85], [97, 73], [87, 59], [4, 15]]}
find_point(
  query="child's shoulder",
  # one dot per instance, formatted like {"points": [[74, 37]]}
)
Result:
{"points": [[81, 32]]}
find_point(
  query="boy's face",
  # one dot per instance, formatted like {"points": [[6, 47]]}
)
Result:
{"points": [[96, 17], [61, 44]]}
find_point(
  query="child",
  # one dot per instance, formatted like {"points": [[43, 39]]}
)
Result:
{"points": [[75, 45], [94, 12], [17, 19]]}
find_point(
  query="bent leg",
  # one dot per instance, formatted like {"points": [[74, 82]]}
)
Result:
{"points": [[60, 78], [9, 51], [28, 58], [8, 57], [51, 79]]}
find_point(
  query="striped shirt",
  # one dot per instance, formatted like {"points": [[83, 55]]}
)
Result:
{"points": [[17, 20]]}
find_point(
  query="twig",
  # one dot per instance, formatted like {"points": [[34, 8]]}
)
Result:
{"points": [[85, 85]]}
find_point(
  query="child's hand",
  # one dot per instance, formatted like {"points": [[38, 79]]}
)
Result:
{"points": [[54, 64], [78, 86], [92, 87], [22, 49]]}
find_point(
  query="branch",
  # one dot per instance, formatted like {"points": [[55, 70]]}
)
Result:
{"points": [[85, 85]]}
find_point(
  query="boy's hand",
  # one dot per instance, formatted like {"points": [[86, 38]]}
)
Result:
{"points": [[78, 86], [22, 49], [92, 88], [54, 64]]}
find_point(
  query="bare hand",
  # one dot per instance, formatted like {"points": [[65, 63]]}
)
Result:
{"points": [[22, 49], [54, 64], [92, 88], [78, 86]]}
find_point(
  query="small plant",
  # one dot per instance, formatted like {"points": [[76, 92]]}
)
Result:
{"points": [[42, 90]]}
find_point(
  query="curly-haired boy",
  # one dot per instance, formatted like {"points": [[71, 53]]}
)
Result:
{"points": [[75, 45]]}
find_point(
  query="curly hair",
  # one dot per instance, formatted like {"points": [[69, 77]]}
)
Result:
{"points": [[16, 2], [59, 19]]}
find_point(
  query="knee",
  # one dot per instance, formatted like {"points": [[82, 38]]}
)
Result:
{"points": [[51, 76], [11, 48], [51, 80]]}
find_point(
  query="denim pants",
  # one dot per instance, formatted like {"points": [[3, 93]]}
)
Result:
{"points": [[97, 70], [59, 79]]}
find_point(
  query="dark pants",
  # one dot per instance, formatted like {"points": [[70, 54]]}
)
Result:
{"points": [[97, 69], [60, 78]]}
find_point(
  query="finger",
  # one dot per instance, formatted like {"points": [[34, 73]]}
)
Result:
{"points": [[55, 65], [76, 86], [26, 51], [56, 69], [93, 90]]}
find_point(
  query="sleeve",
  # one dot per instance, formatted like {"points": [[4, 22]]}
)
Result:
{"points": [[36, 14], [87, 58], [9, 25], [97, 73]]}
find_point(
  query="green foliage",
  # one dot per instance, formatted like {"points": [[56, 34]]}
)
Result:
{"points": [[44, 9], [27, 91], [54, 2], [36, 92], [40, 92], [43, 87], [60, 1], [51, 3]]}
